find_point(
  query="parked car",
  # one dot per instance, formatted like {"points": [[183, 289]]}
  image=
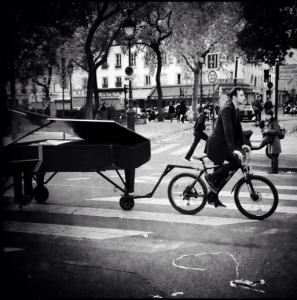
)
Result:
{"points": [[140, 112], [246, 112]]}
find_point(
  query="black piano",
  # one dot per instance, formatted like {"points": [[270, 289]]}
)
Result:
{"points": [[94, 146]]}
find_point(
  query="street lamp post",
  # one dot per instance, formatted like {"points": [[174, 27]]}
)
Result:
{"points": [[70, 71], [129, 27]]}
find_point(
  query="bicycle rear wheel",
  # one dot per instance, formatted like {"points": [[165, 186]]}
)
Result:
{"points": [[184, 197], [256, 198]]}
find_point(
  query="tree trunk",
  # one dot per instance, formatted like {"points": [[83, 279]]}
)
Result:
{"points": [[195, 92], [96, 93], [158, 83], [90, 89]]}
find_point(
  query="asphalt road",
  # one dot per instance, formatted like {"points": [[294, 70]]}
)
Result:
{"points": [[80, 243]]}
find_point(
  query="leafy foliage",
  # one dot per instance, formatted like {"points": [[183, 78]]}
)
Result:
{"points": [[270, 30], [201, 27]]}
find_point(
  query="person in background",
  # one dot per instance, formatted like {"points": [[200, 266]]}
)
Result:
{"points": [[257, 106], [199, 133], [270, 131], [103, 113], [177, 112], [268, 105], [183, 111], [171, 110]]}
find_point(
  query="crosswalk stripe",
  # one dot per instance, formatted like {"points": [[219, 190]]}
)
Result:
{"points": [[134, 215], [264, 195], [181, 151], [69, 230], [164, 201], [162, 149]]}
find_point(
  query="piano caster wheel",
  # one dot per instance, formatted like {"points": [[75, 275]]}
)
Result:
{"points": [[126, 202], [40, 194]]}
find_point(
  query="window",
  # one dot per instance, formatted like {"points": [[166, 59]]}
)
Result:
{"points": [[147, 80], [163, 79], [118, 82], [178, 59], [178, 79], [105, 82], [133, 59], [118, 61]]}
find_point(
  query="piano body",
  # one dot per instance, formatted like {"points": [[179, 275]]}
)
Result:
{"points": [[96, 146]]}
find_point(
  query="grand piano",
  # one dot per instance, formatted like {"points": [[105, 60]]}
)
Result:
{"points": [[94, 146]]}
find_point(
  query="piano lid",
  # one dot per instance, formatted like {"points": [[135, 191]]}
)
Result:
{"points": [[96, 131]]}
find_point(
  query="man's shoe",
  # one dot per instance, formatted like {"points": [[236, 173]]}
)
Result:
{"points": [[210, 183], [219, 203]]}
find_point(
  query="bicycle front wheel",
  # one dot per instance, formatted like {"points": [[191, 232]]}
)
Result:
{"points": [[256, 198], [185, 196]]}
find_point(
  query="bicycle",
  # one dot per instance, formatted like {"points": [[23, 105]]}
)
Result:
{"points": [[255, 196]]}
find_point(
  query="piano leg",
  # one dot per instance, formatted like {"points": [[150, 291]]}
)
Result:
{"points": [[18, 188], [28, 188], [130, 178]]}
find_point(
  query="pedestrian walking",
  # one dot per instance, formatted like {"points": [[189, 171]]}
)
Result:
{"points": [[183, 111], [199, 133], [177, 112], [271, 131], [224, 142], [268, 105], [257, 106], [103, 113], [171, 110]]}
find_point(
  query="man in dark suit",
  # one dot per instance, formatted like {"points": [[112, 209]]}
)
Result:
{"points": [[223, 142]]}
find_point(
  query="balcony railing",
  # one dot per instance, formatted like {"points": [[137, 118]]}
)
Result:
{"points": [[105, 85], [118, 66], [118, 84]]}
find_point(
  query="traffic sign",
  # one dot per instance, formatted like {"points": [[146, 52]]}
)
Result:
{"points": [[129, 77], [129, 71], [270, 85], [287, 72], [212, 60], [212, 76]]}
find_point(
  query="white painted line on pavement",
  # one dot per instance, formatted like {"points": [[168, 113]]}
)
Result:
{"points": [[162, 149], [69, 230], [264, 195], [79, 178], [133, 215], [182, 150], [164, 201]]}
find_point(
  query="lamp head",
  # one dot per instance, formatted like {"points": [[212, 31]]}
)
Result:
{"points": [[129, 26]]}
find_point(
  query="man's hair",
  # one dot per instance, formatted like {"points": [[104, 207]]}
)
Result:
{"points": [[234, 91]]}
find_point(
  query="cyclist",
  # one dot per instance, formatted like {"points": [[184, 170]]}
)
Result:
{"points": [[223, 142]]}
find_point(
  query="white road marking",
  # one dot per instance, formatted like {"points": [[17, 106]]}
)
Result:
{"points": [[181, 151], [165, 201], [164, 148], [133, 215], [79, 178], [69, 230], [264, 195]]}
